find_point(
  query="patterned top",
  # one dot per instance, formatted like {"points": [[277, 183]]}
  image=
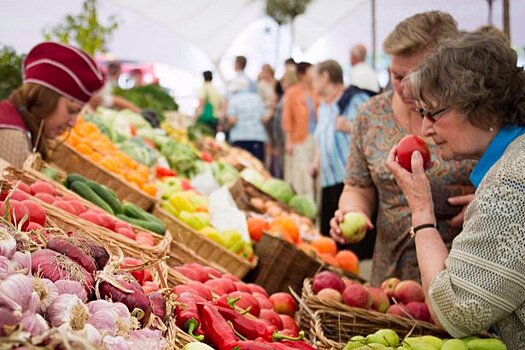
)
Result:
{"points": [[484, 278], [248, 108], [374, 133], [334, 145]]}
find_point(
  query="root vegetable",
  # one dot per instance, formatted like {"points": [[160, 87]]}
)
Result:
{"points": [[71, 247]]}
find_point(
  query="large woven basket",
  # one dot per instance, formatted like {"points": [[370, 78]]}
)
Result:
{"points": [[281, 265], [70, 161], [329, 322], [70, 222], [204, 247]]}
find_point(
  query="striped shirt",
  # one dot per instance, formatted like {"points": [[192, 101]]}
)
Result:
{"points": [[248, 108], [333, 145]]}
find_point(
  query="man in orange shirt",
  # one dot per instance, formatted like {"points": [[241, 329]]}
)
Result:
{"points": [[299, 119]]}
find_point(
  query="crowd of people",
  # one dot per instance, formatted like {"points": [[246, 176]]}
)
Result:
{"points": [[458, 227]]}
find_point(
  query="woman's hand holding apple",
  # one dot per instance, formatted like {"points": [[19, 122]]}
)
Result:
{"points": [[349, 227]]}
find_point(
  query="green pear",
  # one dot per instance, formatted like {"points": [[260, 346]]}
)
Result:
{"points": [[454, 344], [422, 346], [384, 336], [486, 344], [430, 339], [373, 346], [353, 345], [354, 226], [358, 338]]}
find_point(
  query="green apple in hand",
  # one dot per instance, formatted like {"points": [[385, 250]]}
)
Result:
{"points": [[354, 226]]}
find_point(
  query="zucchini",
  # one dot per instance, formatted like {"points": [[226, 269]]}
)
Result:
{"points": [[145, 224], [104, 193], [81, 188], [72, 178], [132, 211]]}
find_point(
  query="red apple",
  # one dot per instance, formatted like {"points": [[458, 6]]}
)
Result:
{"points": [[272, 318], [283, 303], [19, 195], [18, 212], [122, 224], [407, 146], [264, 302], [33, 226], [77, 205], [22, 186], [399, 310], [330, 294], [65, 206], [379, 299], [419, 311], [327, 279], [407, 291], [389, 285], [37, 214], [356, 295], [255, 288], [45, 197]]}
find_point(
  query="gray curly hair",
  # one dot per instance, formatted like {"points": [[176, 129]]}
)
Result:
{"points": [[477, 74]]}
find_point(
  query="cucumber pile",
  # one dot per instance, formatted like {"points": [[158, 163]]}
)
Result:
{"points": [[107, 199]]}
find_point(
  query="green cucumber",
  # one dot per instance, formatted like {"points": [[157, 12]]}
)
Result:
{"points": [[81, 188], [72, 178], [133, 211], [145, 224], [104, 193]]}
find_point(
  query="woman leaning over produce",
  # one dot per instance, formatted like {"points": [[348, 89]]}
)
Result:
{"points": [[58, 81], [472, 100]]}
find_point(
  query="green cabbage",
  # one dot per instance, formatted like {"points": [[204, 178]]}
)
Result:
{"points": [[253, 177], [278, 189], [304, 205]]}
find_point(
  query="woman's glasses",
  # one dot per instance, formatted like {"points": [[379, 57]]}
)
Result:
{"points": [[432, 116]]}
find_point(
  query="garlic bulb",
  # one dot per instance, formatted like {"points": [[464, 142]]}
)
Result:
{"points": [[16, 290], [105, 321], [35, 324], [47, 292], [88, 332], [68, 309], [7, 242], [98, 305], [115, 343], [72, 287]]}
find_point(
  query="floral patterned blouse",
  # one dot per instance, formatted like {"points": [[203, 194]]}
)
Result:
{"points": [[374, 134]]}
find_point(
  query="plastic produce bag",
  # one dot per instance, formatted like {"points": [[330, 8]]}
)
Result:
{"points": [[225, 215]]}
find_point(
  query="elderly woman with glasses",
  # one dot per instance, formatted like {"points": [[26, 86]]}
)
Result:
{"points": [[380, 123], [472, 96]]}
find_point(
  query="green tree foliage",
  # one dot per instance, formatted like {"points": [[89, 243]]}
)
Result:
{"points": [[285, 11], [84, 30], [10, 71]]}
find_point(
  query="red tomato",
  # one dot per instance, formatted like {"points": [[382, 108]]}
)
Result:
{"points": [[407, 146]]}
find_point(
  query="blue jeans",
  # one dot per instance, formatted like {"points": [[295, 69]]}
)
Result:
{"points": [[256, 148]]}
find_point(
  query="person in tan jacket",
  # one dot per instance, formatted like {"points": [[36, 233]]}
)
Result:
{"points": [[299, 120]]}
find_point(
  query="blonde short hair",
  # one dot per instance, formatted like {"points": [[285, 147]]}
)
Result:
{"points": [[419, 33]]}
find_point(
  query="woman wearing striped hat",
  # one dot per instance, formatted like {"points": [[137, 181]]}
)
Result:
{"points": [[58, 81]]}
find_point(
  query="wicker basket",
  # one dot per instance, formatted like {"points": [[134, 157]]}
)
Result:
{"points": [[204, 247], [176, 338], [329, 322], [70, 222], [281, 265], [70, 161], [253, 192]]}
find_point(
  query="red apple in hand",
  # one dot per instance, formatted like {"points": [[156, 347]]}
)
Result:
{"points": [[407, 146]]}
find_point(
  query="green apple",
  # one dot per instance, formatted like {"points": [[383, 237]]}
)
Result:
{"points": [[454, 344], [425, 339], [386, 337], [354, 226]]}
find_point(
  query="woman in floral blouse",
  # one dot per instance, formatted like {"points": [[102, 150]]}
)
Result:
{"points": [[380, 124]]}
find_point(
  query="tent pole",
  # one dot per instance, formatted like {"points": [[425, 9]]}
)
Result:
{"points": [[373, 33], [506, 18]]}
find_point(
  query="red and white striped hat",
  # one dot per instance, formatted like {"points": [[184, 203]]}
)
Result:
{"points": [[65, 69]]}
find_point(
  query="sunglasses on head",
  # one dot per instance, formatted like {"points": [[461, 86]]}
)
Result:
{"points": [[432, 116]]}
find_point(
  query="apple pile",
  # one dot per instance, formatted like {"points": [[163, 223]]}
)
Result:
{"points": [[22, 205], [227, 290], [389, 339], [407, 297]]}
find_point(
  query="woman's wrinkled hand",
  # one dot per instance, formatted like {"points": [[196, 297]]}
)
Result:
{"points": [[335, 230]]}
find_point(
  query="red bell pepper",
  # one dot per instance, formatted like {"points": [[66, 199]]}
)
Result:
{"points": [[298, 344], [161, 172], [226, 301], [188, 316], [254, 345], [216, 328], [253, 328]]}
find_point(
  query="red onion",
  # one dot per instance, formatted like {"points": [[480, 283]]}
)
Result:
{"points": [[158, 305], [71, 287], [55, 266], [98, 253], [72, 248], [125, 289]]}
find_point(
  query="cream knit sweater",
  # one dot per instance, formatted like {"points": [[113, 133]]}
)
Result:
{"points": [[484, 280]]}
